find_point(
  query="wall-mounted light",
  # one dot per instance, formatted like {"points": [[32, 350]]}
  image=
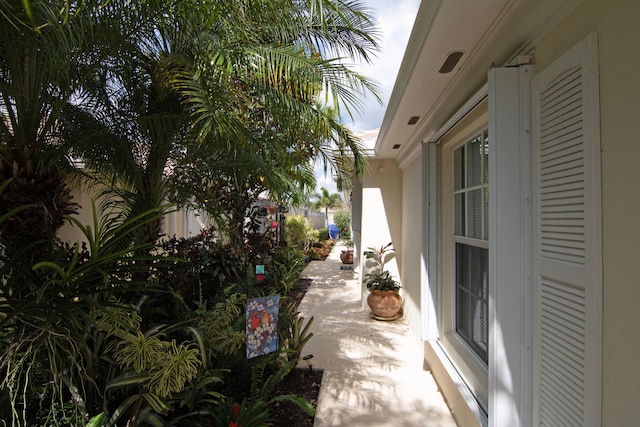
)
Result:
{"points": [[413, 120], [381, 168], [396, 146]]}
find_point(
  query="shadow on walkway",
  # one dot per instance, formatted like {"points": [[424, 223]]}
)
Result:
{"points": [[373, 372]]}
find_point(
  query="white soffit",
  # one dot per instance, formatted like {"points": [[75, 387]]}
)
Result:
{"points": [[489, 32]]}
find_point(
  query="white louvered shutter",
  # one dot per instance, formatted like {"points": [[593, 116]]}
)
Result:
{"points": [[567, 241]]}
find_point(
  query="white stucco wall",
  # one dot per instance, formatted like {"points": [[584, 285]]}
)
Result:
{"points": [[616, 23], [412, 243], [180, 223], [382, 212]]}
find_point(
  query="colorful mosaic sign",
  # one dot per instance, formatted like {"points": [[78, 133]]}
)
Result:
{"points": [[262, 325]]}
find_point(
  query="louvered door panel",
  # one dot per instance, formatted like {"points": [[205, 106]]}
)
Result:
{"points": [[566, 241]]}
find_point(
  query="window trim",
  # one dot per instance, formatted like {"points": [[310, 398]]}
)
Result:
{"points": [[483, 135], [469, 365]]}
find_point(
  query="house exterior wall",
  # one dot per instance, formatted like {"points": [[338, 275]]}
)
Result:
{"points": [[180, 223], [381, 213], [616, 24], [412, 243]]}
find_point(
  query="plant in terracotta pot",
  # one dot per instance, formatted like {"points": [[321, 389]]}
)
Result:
{"points": [[384, 299], [346, 256]]}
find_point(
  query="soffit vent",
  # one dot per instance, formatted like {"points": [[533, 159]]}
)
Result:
{"points": [[450, 63]]}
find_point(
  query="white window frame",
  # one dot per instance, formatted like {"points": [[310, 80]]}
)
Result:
{"points": [[472, 368], [478, 242]]}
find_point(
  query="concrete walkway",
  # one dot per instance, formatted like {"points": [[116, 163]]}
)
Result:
{"points": [[373, 370]]}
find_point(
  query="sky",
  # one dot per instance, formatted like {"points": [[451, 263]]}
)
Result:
{"points": [[395, 20]]}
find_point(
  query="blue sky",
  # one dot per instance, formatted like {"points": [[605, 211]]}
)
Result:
{"points": [[395, 20]]}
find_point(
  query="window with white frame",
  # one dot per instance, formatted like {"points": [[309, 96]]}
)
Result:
{"points": [[470, 236]]}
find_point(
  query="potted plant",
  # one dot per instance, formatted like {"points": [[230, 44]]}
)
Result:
{"points": [[384, 298], [346, 256]]}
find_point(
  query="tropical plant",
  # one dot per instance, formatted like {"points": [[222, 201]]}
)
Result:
{"points": [[155, 370], [378, 257], [294, 333], [243, 414], [383, 281], [378, 278], [204, 118], [49, 311], [200, 269], [285, 269], [299, 232]]}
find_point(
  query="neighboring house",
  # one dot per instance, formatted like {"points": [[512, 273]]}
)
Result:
{"points": [[506, 174], [181, 223]]}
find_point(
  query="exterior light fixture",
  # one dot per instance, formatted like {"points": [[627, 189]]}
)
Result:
{"points": [[413, 120], [396, 146]]}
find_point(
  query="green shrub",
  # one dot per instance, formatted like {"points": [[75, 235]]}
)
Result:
{"points": [[299, 232], [200, 270], [323, 234], [285, 269], [342, 220], [320, 250]]}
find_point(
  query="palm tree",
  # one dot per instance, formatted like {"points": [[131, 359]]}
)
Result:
{"points": [[226, 87], [35, 82], [325, 200]]}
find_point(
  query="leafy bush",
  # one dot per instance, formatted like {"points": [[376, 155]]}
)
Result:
{"points": [[200, 269], [320, 250], [285, 269], [299, 232], [342, 220], [323, 234]]}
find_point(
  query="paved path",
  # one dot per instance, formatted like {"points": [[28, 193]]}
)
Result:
{"points": [[373, 371]]}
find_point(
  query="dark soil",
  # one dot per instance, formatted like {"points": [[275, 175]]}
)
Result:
{"points": [[301, 382], [304, 383]]}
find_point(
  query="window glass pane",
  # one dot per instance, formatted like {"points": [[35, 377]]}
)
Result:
{"points": [[463, 325], [474, 162], [458, 168], [475, 219], [478, 271], [472, 293], [459, 209], [479, 325]]}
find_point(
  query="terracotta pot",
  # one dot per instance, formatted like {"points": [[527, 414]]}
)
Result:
{"points": [[346, 257], [385, 305]]}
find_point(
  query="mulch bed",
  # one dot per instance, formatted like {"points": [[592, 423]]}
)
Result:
{"points": [[301, 382]]}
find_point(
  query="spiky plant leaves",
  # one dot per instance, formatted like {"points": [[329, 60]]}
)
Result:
{"points": [[51, 312]]}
